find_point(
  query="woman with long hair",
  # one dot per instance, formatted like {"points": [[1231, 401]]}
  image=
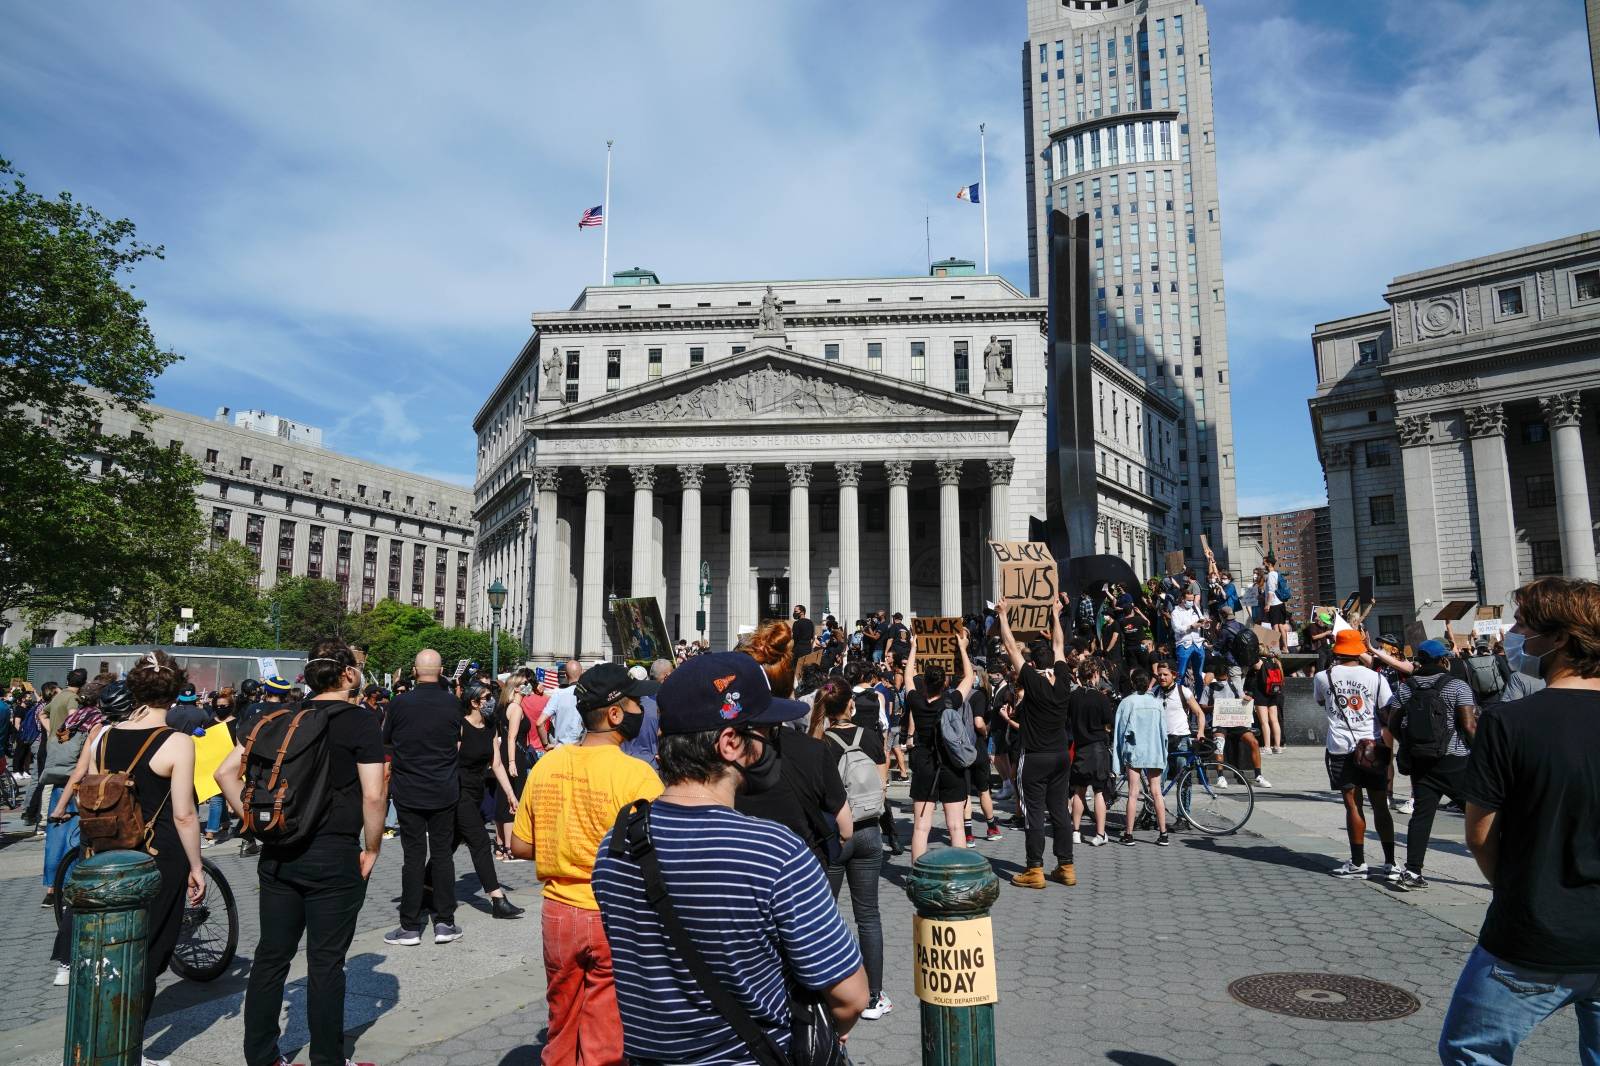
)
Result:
{"points": [[479, 755], [933, 781], [517, 748], [1139, 749], [161, 763], [1264, 685], [772, 646]]}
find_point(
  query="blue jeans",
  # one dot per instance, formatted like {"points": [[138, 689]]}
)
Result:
{"points": [[1496, 1006], [58, 839], [1195, 653], [861, 860], [216, 806]]}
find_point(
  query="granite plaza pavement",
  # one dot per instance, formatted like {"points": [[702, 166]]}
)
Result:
{"points": [[1131, 967]]}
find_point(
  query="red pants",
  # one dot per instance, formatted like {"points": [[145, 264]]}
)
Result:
{"points": [[585, 1028]]}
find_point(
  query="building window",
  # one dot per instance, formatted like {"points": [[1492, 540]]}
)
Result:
{"points": [[654, 370], [919, 361], [1546, 556], [1386, 569], [875, 356], [1378, 453], [1367, 352], [361, 491], [1380, 510], [1535, 432], [314, 552], [221, 522], [738, 349], [830, 352], [1541, 490], [211, 455], [1586, 285], [1391, 624], [613, 369], [697, 355], [244, 463], [1509, 300], [285, 549], [963, 369]]}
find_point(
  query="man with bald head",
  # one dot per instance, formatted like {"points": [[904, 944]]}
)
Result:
{"points": [[561, 722], [421, 735]]}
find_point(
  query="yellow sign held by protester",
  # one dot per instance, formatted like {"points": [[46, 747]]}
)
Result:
{"points": [[955, 962], [209, 752]]}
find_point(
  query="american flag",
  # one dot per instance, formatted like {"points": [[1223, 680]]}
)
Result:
{"points": [[591, 217]]}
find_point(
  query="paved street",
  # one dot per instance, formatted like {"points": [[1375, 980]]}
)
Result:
{"points": [[1130, 967]]}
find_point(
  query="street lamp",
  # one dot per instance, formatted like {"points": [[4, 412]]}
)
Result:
{"points": [[774, 601], [497, 600]]}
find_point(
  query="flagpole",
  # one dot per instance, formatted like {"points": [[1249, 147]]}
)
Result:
{"points": [[927, 235], [983, 187], [605, 225]]}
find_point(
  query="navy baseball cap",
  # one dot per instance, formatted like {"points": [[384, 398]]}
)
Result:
{"points": [[1431, 651], [729, 688]]}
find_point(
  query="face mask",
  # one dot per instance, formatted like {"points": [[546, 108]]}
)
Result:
{"points": [[1519, 658], [761, 775], [630, 725]]}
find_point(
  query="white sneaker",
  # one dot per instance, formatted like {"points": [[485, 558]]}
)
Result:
{"points": [[155, 1062], [1350, 869], [1097, 840], [1076, 838], [879, 1006], [1262, 782], [1392, 872], [1402, 806], [63, 975], [1220, 784]]}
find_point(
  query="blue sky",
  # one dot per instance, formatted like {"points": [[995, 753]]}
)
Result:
{"points": [[362, 204]]}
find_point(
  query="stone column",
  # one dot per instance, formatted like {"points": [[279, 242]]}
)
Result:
{"points": [[800, 535], [1422, 529], [999, 514], [849, 542], [547, 485], [741, 475], [899, 474], [949, 536], [592, 623], [1497, 528], [644, 510], [1337, 462], [1564, 412], [691, 476]]}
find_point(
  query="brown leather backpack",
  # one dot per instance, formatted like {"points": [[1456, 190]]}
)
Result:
{"points": [[109, 815]]}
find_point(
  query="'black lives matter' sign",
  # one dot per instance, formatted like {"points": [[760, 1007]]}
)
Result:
{"points": [[1029, 582], [936, 643]]}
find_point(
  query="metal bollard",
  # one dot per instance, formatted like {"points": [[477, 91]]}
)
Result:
{"points": [[953, 889], [110, 895]]}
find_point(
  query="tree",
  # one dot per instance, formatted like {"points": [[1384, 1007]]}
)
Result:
{"points": [[309, 608], [89, 518], [219, 585], [388, 630]]}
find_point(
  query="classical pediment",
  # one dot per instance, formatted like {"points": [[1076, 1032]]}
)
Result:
{"points": [[770, 385]]}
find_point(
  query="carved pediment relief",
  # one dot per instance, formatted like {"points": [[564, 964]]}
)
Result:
{"points": [[767, 392]]}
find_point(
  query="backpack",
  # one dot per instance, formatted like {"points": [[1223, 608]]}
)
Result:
{"points": [[867, 710], [862, 784], [1430, 721], [1245, 647], [1273, 682], [1483, 671], [1284, 595], [285, 772], [109, 815], [957, 733]]}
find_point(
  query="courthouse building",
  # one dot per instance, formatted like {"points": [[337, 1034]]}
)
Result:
{"points": [[306, 511], [1459, 432], [850, 445]]}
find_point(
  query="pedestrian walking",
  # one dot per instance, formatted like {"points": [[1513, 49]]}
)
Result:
{"points": [[1532, 808], [1356, 699], [477, 760], [1433, 724]]}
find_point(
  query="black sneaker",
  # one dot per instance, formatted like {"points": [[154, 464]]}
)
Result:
{"points": [[403, 937], [1409, 882], [1163, 841], [1126, 840], [445, 932]]}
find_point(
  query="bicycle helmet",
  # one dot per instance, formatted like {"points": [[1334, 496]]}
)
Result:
{"points": [[116, 701], [250, 690]]}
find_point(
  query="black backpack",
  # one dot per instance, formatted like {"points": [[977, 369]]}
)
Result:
{"points": [[1430, 720], [1245, 647], [285, 772]]}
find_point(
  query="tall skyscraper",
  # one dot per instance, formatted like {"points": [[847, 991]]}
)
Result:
{"points": [[1117, 107]]}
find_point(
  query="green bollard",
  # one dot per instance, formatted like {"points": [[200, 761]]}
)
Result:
{"points": [[110, 895], [953, 889]]}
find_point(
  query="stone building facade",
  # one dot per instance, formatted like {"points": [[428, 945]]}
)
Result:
{"points": [[1301, 544], [846, 445], [306, 511], [1458, 430], [1119, 125]]}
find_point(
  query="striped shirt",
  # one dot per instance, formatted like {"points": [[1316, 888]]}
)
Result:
{"points": [[1456, 694], [754, 902]]}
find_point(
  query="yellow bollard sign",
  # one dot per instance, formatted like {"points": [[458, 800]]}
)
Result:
{"points": [[955, 962]]}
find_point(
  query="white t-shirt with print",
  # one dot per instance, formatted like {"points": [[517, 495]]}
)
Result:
{"points": [[1357, 695]]}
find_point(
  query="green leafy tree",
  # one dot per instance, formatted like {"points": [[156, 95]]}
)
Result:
{"points": [[88, 519], [218, 584], [309, 608], [389, 630]]}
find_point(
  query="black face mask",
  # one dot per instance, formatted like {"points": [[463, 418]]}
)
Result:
{"points": [[629, 727], [761, 775]]}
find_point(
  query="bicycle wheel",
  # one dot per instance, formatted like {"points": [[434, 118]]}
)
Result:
{"points": [[1216, 799], [10, 792], [210, 933]]}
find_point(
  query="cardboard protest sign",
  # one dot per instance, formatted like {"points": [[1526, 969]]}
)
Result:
{"points": [[813, 658], [1270, 638], [1175, 563], [1228, 713], [638, 633], [1029, 581], [209, 752], [1416, 633], [936, 642]]}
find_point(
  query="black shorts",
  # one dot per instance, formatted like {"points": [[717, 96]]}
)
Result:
{"points": [[1091, 768], [1278, 615], [933, 781], [1344, 774]]}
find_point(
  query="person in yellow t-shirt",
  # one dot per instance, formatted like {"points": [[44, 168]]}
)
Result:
{"points": [[571, 799]]}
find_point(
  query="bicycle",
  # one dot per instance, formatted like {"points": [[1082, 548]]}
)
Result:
{"points": [[206, 944], [10, 791], [1215, 798]]}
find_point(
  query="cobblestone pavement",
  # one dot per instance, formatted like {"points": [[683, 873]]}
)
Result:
{"points": [[1130, 967]]}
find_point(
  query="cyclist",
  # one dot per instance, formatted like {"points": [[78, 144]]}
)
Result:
{"points": [[1178, 710]]}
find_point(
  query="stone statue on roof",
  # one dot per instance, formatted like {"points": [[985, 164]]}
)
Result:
{"points": [[771, 317]]}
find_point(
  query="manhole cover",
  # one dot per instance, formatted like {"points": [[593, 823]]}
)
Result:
{"points": [[1329, 996]]}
